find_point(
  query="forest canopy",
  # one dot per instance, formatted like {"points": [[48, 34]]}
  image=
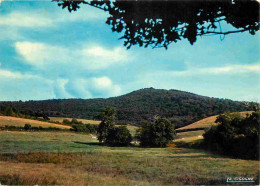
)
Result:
{"points": [[159, 23]]}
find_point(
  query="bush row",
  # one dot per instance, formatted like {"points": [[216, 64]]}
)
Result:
{"points": [[28, 127]]}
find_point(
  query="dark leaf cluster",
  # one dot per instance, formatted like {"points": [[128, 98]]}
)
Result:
{"points": [[235, 136], [159, 23], [157, 134]]}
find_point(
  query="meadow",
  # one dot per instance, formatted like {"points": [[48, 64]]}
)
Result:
{"points": [[69, 158], [76, 159]]}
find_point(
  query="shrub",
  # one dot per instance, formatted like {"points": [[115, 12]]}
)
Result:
{"points": [[157, 134], [118, 136], [235, 136], [80, 128], [92, 128], [75, 121], [27, 126], [66, 122]]}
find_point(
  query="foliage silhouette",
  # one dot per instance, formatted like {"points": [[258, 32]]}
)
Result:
{"points": [[235, 136], [159, 23]]}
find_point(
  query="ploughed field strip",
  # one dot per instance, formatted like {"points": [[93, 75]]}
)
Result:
{"points": [[76, 159]]}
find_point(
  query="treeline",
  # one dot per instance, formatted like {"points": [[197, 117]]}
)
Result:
{"points": [[181, 108], [28, 127], [235, 136]]}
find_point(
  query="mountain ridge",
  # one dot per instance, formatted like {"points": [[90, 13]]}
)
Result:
{"points": [[180, 107]]}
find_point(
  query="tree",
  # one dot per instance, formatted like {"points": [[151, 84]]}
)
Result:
{"points": [[254, 106], [8, 111], [27, 126], [107, 121], [235, 135], [159, 23], [118, 136], [157, 134]]}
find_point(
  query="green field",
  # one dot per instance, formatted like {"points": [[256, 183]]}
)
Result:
{"points": [[77, 159]]}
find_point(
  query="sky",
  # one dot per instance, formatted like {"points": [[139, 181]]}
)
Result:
{"points": [[48, 53]]}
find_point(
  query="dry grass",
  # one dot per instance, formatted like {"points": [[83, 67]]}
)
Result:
{"points": [[190, 134], [115, 166], [52, 174], [207, 122], [20, 122]]}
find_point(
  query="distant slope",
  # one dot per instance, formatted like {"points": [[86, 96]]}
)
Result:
{"points": [[20, 122], [207, 122], [180, 107]]}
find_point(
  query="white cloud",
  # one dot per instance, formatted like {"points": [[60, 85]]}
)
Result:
{"points": [[17, 85], [93, 58], [39, 54], [25, 19], [232, 69], [116, 55], [60, 90], [9, 74], [229, 69], [40, 19], [16, 75], [92, 87], [97, 57], [103, 82]]}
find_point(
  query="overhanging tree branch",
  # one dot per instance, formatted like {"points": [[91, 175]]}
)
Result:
{"points": [[160, 23]]}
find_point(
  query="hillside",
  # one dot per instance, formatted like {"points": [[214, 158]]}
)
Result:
{"points": [[20, 122], [193, 132], [208, 122], [180, 107]]}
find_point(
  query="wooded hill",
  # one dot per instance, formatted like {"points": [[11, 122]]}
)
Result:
{"points": [[180, 107]]}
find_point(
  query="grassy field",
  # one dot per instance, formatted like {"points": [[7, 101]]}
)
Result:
{"points": [[20, 122], [207, 122], [189, 137], [76, 159]]}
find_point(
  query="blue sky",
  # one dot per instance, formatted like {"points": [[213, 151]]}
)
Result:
{"points": [[48, 53]]}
